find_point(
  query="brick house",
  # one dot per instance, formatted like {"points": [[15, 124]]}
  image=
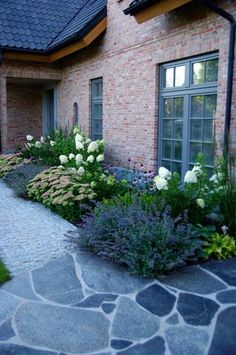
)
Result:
{"points": [[150, 77]]}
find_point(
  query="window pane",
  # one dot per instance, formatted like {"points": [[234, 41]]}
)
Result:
{"points": [[179, 107], [208, 151], [177, 150], [176, 167], [196, 130], [166, 149], [168, 108], [97, 126], [169, 77], [211, 70], [97, 110], [208, 130], [167, 129], [177, 129], [210, 105], [180, 75], [198, 73], [166, 164], [195, 148], [197, 106]]}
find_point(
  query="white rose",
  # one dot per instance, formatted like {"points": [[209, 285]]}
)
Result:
{"points": [[52, 143], [63, 159], [81, 170], [164, 173], [71, 156], [161, 183], [90, 159], [79, 145], [79, 158], [190, 177], [92, 147], [100, 158], [29, 138], [42, 140], [201, 202], [38, 144]]}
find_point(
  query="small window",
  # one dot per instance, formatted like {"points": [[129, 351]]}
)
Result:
{"points": [[174, 77], [97, 108], [75, 114], [205, 71]]}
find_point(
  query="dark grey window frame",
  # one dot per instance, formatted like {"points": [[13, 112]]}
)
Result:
{"points": [[96, 100], [186, 91]]}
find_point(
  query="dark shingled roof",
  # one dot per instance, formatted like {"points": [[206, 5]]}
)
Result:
{"points": [[44, 25], [137, 5]]}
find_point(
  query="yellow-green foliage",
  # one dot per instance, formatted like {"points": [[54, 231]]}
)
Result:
{"points": [[62, 191], [8, 162], [220, 246]]}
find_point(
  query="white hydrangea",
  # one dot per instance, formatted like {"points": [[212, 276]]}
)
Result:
{"points": [[29, 138], [73, 170], [197, 169], [81, 171], [93, 147], [79, 158], [88, 141], [52, 143], [76, 130], [63, 159], [78, 138], [79, 145], [100, 158], [42, 140], [90, 159], [71, 156], [161, 183], [201, 202], [190, 177], [38, 144], [216, 178], [164, 173]]}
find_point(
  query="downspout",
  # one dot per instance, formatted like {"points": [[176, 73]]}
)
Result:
{"points": [[229, 88]]}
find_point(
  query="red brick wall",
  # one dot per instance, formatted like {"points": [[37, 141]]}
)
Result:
{"points": [[128, 58], [24, 112]]}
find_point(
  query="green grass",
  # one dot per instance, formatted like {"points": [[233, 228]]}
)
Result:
{"points": [[4, 273]]}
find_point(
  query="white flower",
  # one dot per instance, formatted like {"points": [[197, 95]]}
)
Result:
{"points": [[164, 173], [63, 159], [81, 170], [79, 145], [197, 169], [201, 202], [90, 159], [92, 147], [29, 145], [29, 138], [78, 138], [216, 178], [52, 143], [42, 140], [88, 141], [73, 170], [79, 158], [161, 183], [76, 130], [224, 229], [60, 166], [38, 144], [71, 156], [190, 177], [100, 158]]}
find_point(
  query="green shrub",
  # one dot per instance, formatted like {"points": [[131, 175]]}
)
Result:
{"points": [[4, 273], [62, 191], [220, 246], [9, 162], [149, 243], [19, 177]]}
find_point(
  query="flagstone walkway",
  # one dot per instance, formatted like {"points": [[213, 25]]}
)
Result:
{"points": [[80, 304]]}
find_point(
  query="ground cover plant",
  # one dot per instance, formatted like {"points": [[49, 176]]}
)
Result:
{"points": [[9, 162], [4, 273]]}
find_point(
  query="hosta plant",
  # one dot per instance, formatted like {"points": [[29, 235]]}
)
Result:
{"points": [[220, 246], [9, 162]]}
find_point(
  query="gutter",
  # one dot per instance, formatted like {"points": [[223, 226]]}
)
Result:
{"points": [[229, 88]]}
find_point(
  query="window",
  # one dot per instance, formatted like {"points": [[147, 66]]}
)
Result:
{"points": [[96, 108], [187, 110], [75, 115]]}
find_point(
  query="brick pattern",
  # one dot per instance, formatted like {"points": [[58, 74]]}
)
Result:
{"points": [[128, 57]]}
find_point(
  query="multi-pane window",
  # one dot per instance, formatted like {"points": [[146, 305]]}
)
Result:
{"points": [[187, 111], [96, 108]]}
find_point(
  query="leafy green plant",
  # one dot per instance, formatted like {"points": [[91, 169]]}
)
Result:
{"points": [[220, 246], [148, 242], [4, 273], [9, 162], [62, 191]]}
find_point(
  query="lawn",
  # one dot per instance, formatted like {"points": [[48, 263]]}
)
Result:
{"points": [[4, 273]]}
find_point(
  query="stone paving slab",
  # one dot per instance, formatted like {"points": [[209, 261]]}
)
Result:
{"points": [[30, 234]]}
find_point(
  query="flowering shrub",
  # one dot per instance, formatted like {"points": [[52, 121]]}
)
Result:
{"points": [[9, 162], [146, 241], [62, 191]]}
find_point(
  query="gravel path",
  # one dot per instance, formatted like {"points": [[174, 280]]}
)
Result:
{"points": [[30, 234]]}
